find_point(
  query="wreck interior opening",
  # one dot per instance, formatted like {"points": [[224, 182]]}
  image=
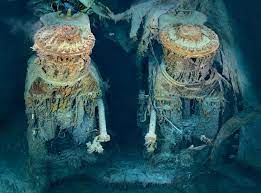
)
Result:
{"points": [[119, 73]]}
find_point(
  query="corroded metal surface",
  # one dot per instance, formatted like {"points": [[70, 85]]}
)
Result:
{"points": [[189, 51], [63, 41], [63, 92], [63, 51], [166, 87], [188, 93], [190, 40]]}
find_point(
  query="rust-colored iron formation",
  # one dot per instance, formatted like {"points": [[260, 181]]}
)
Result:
{"points": [[63, 91]]}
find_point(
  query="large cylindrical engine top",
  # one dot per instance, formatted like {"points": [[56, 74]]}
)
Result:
{"points": [[188, 52], [63, 51]]}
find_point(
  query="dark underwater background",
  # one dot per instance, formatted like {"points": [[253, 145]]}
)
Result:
{"points": [[16, 27]]}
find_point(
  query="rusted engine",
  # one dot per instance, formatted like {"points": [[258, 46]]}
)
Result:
{"points": [[64, 93], [187, 97]]}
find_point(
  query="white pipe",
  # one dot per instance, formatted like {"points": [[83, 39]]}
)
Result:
{"points": [[152, 127], [151, 137], [103, 137]]}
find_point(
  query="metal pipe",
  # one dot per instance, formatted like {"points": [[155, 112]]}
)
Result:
{"points": [[103, 137], [152, 126], [151, 137]]}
